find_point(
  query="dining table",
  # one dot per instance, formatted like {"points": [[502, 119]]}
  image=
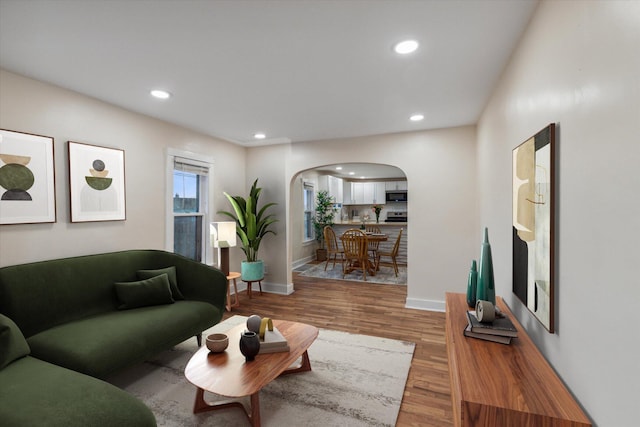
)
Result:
{"points": [[377, 237]]}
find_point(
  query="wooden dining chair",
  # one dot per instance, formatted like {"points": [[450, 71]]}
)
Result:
{"points": [[356, 255], [393, 255], [373, 244], [333, 250]]}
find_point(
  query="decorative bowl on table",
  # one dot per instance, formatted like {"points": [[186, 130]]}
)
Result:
{"points": [[217, 343]]}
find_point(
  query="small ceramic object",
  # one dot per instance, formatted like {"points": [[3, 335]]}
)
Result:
{"points": [[485, 289], [249, 345], [472, 284], [217, 343], [253, 323]]}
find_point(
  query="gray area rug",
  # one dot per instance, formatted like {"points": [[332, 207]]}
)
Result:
{"points": [[384, 276], [356, 380]]}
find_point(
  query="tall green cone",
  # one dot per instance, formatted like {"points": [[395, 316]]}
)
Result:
{"points": [[486, 286]]}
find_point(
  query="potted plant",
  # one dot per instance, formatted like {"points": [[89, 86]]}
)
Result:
{"points": [[251, 226], [324, 213]]}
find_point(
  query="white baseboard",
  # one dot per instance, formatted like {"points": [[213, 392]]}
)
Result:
{"points": [[425, 304], [278, 288], [300, 262]]}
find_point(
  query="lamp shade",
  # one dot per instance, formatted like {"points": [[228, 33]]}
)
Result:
{"points": [[223, 234]]}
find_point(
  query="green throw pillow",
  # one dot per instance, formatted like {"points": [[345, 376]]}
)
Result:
{"points": [[153, 291], [13, 346], [173, 279]]}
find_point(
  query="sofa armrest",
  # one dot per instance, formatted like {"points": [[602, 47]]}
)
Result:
{"points": [[201, 282]]}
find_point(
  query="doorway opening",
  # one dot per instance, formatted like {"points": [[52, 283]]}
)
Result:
{"points": [[358, 192]]}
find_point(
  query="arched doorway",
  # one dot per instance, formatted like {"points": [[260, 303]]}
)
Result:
{"points": [[356, 188]]}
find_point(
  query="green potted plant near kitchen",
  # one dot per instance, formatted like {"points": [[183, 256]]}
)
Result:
{"points": [[324, 213], [252, 224]]}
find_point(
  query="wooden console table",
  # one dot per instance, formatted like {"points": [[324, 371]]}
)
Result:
{"points": [[503, 385]]}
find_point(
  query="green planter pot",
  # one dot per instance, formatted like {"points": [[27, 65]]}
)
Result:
{"points": [[252, 271]]}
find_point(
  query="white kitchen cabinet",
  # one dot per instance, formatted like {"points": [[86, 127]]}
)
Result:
{"points": [[357, 193], [347, 192], [333, 186], [336, 189], [395, 185], [364, 193], [379, 194]]}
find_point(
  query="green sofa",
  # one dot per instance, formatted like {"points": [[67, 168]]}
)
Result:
{"points": [[84, 318]]}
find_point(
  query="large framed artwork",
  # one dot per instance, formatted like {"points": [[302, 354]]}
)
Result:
{"points": [[27, 178], [534, 224], [96, 183]]}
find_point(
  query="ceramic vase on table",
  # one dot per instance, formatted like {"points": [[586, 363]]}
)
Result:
{"points": [[249, 345], [486, 290], [472, 285], [253, 323]]}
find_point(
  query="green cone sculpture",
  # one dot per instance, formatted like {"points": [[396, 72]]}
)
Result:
{"points": [[472, 285], [486, 286]]}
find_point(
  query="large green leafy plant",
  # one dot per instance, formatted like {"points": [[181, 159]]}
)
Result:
{"points": [[323, 215], [251, 224]]}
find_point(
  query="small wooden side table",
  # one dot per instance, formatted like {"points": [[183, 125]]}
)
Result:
{"points": [[232, 276], [251, 282]]}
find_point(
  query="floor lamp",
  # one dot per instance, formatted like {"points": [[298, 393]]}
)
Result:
{"points": [[223, 237]]}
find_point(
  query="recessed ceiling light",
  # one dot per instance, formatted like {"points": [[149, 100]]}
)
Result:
{"points": [[406, 46], [352, 173], [338, 168], [416, 117], [160, 94], [259, 135]]}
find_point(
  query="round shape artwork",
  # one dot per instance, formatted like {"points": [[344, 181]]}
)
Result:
{"points": [[217, 343], [98, 165], [15, 176], [99, 174], [98, 183], [13, 158]]}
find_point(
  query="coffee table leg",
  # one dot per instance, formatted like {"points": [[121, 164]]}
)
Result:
{"points": [[304, 366], [201, 405], [255, 410]]}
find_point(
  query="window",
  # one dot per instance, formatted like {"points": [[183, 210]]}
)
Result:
{"points": [[189, 208], [308, 195]]}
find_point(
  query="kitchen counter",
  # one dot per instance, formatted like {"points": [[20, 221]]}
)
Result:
{"points": [[380, 224]]}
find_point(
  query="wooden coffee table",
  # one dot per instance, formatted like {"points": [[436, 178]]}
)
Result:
{"points": [[227, 374]]}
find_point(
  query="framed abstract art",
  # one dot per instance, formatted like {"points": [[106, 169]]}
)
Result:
{"points": [[27, 178], [533, 223], [96, 183]]}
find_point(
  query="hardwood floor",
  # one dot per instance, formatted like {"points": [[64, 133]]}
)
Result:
{"points": [[378, 310]]}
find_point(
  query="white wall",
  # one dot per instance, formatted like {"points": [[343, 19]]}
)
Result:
{"points": [[34, 107], [443, 232], [440, 166], [578, 65], [270, 164]]}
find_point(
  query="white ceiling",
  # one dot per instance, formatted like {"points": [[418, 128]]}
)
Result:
{"points": [[296, 70], [362, 171]]}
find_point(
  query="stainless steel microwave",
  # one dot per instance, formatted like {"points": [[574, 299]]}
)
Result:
{"points": [[397, 196]]}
